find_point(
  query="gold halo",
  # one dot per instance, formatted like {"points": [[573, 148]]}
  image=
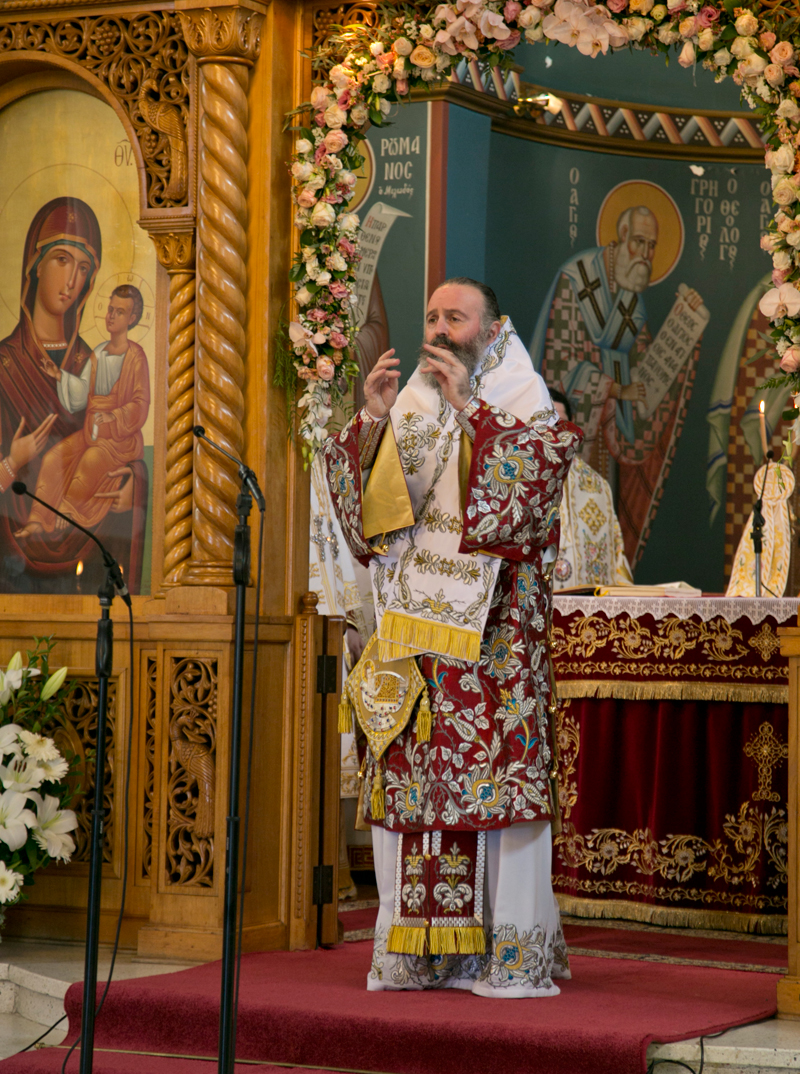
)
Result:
{"points": [[102, 295], [365, 176], [635, 192]]}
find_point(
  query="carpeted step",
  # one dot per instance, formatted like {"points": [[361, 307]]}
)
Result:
{"points": [[49, 1060], [310, 1008], [734, 951]]}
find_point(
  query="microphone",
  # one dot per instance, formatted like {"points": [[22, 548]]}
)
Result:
{"points": [[21, 489], [245, 473]]}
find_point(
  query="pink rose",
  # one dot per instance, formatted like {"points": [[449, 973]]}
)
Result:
{"points": [[511, 41], [317, 315], [790, 363], [707, 16], [511, 10], [306, 198], [767, 40], [774, 74], [320, 152], [335, 141], [401, 85], [779, 276], [338, 340], [325, 368], [347, 248], [782, 53], [338, 290], [319, 119], [344, 99], [617, 6]]}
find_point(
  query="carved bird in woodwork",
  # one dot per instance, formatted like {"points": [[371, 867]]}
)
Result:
{"points": [[196, 759], [166, 118]]}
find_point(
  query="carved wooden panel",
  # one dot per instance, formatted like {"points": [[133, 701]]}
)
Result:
{"points": [[144, 62], [81, 712], [335, 14], [150, 695], [192, 772]]}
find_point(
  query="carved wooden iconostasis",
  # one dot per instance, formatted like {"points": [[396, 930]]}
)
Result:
{"points": [[149, 143]]}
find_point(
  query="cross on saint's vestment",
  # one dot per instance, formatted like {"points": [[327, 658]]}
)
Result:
{"points": [[626, 313], [589, 288]]}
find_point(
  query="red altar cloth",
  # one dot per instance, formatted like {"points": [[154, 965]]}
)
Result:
{"points": [[672, 738]]}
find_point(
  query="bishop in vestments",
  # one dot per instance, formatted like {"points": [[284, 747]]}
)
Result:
{"points": [[450, 492]]}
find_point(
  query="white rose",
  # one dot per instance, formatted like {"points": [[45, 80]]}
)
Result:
{"points": [[316, 181], [303, 296], [349, 222], [788, 109], [359, 115], [376, 48], [403, 47], [335, 117], [336, 263], [637, 27], [385, 107], [312, 268], [529, 17], [303, 145], [399, 69], [746, 24], [793, 239], [324, 278], [426, 32], [667, 36], [722, 57], [781, 160], [706, 39], [781, 260], [323, 215], [301, 218], [752, 66], [741, 48], [381, 83], [346, 178], [302, 170], [784, 192], [534, 34]]}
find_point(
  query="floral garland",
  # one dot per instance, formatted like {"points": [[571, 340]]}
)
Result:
{"points": [[363, 70]]}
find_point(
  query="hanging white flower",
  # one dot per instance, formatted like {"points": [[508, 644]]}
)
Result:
{"points": [[40, 747], [9, 740], [52, 827], [15, 819], [21, 774], [54, 770], [10, 882]]}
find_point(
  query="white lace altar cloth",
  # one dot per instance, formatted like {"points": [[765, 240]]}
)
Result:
{"points": [[756, 609]]}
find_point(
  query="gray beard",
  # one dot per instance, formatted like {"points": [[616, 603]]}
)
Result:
{"points": [[631, 277], [469, 354]]}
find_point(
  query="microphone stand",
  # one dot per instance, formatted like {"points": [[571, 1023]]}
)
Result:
{"points": [[241, 577], [104, 663], [757, 533]]}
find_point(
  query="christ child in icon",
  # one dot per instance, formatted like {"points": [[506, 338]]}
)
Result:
{"points": [[83, 475]]}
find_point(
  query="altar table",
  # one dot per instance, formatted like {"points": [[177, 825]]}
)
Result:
{"points": [[672, 737]]}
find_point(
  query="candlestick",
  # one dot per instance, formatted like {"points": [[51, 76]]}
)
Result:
{"points": [[762, 424]]}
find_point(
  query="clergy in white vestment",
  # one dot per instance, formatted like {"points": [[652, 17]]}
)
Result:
{"points": [[591, 551]]}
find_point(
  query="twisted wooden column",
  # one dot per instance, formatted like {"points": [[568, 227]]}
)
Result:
{"points": [[176, 252], [226, 42]]}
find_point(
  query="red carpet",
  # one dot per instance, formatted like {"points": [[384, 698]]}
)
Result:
{"points": [[310, 1008], [642, 943]]}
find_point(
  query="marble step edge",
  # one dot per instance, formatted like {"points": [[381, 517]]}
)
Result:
{"points": [[731, 1058], [38, 998]]}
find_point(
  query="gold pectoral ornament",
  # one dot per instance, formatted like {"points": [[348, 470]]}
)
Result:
{"points": [[382, 695]]}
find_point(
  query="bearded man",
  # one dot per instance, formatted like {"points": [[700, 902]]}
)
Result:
{"points": [[449, 491], [591, 332]]}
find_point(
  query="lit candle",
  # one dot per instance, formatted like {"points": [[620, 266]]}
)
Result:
{"points": [[762, 423]]}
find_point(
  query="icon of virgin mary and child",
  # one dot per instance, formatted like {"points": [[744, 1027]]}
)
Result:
{"points": [[71, 417]]}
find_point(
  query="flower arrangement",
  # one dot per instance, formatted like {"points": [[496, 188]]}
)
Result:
{"points": [[34, 823], [363, 70]]}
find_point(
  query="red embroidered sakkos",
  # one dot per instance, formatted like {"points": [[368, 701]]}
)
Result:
{"points": [[488, 759]]}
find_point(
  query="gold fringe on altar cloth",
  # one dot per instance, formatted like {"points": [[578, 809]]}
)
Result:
{"points": [[763, 693], [673, 916]]}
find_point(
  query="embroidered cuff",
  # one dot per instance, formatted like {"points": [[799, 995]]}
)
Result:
{"points": [[8, 473], [369, 437], [464, 415]]}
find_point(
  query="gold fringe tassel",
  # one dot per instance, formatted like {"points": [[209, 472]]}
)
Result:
{"points": [[767, 693], [406, 939], [673, 916], [345, 714], [424, 718], [455, 940], [399, 632], [378, 801]]}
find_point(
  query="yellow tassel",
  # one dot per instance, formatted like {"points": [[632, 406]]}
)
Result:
{"points": [[345, 714], [406, 940], [457, 940], [400, 632], [424, 718], [378, 804]]}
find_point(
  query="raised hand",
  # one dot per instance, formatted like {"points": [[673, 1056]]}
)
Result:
{"points": [[380, 387], [25, 448], [451, 373]]}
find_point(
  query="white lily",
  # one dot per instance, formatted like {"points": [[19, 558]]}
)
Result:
{"points": [[10, 882], [9, 740], [54, 683], [21, 774], [11, 679], [15, 819], [52, 826]]}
